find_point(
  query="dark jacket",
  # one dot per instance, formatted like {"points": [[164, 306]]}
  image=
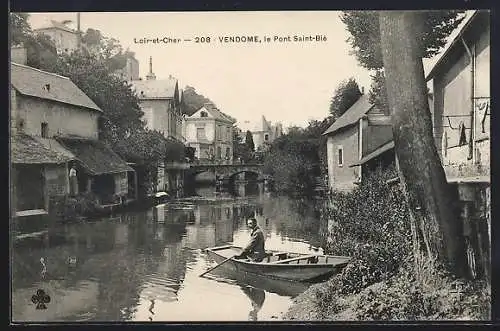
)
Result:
{"points": [[255, 248]]}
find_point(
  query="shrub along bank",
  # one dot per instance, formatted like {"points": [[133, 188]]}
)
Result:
{"points": [[370, 224]]}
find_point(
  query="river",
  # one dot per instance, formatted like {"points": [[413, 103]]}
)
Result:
{"points": [[145, 265]]}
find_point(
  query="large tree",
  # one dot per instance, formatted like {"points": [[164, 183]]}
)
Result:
{"points": [[345, 95], [40, 50], [249, 141], [397, 41], [240, 149]]}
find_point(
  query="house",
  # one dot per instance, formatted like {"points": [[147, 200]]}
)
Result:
{"points": [[54, 125], [460, 80], [263, 132], [160, 101], [64, 37], [357, 142], [210, 132]]}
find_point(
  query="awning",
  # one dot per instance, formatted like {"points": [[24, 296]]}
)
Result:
{"points": [[95, 157], [28, 150], [382, 149]]}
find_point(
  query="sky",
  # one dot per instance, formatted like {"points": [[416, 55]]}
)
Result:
{"points": [[286, 81]]}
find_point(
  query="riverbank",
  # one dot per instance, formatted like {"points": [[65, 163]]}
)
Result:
{"points": [[398, 298]]}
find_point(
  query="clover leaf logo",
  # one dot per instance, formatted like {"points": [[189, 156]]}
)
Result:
{"points": [[40, 299]]}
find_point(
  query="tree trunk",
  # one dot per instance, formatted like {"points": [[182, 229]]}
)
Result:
{"points": [[436, 226]]}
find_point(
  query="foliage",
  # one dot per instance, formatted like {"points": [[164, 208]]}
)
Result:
{"points": [[192, 101], [345, 95], [403, 298], [40, 50], [146, 146], [315, 130], [122, 114], [378, 93], [249, 141], [363, 27], [369, 224], [68, 208], [292, 162], [190, 152], [240, 149]]}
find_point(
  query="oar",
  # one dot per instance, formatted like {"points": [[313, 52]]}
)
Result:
{"points": [[206, 272]]}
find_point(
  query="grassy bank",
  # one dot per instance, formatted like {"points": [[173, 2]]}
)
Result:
{"points": [[371, 225]]}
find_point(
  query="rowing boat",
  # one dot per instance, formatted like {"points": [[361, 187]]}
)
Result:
{"points": [[281, 265]]}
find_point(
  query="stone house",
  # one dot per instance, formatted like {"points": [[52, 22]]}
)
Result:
{"points": [[460, 80], [64, 37], [263, 132], [160, 100], [210, 132], [357, 142], [51, 115]]}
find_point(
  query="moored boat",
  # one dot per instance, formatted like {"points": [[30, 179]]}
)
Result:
{"points": [[281, 265]]}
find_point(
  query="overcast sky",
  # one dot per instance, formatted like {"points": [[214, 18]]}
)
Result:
{"points": [[291, 82]]}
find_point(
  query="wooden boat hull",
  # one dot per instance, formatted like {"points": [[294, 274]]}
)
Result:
{"points": [[297, 269]]}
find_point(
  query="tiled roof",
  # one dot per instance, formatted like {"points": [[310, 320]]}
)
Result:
{"points": [[46, 85], [352, 115], [26, 149], [95, 156], [155, 89], [262, 125], [217, 114]]}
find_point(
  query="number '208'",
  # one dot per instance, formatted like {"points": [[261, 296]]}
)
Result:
{"points": [[201, 39]]}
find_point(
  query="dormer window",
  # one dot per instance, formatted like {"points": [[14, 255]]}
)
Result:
{"points": [[46, 87], [203, 114]]}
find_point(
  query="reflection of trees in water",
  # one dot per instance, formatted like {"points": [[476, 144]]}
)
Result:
{"points": [[257, 297]]}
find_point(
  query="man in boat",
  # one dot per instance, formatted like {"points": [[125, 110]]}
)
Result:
{"points": [[254, 250]]}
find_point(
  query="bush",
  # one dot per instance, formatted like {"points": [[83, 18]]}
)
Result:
{"points": [[69, 208], [403, 298], [371, 225]]}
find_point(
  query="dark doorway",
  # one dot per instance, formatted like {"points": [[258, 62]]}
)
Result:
{"points": [[104, 188], [30, 187]]}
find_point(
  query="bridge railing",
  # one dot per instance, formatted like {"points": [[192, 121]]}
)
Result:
{"points": [[223, 162]]}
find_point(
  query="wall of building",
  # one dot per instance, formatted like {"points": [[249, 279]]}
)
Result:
{"points": [[57, 180], [452, 97], [18, 54], [65, 41], [343, 177], [13, 110], [62, 118], [121, 183], [193, 124], [161, 116]]}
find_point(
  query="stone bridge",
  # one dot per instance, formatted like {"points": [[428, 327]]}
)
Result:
{"points": [[226, 171]]}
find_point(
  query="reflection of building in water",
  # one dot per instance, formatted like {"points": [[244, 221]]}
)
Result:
{"points": [[199, 236], [159, 213], [121, 234], [164, 283]]}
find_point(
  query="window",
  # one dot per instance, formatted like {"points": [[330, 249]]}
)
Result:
{"points": [[228, 153], [341, 156], [45, 130], [203, 114], [200, 133], [266, 137]]}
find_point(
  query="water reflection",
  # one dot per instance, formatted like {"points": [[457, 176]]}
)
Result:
{"points": [[144, 266], [257, 297]]}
